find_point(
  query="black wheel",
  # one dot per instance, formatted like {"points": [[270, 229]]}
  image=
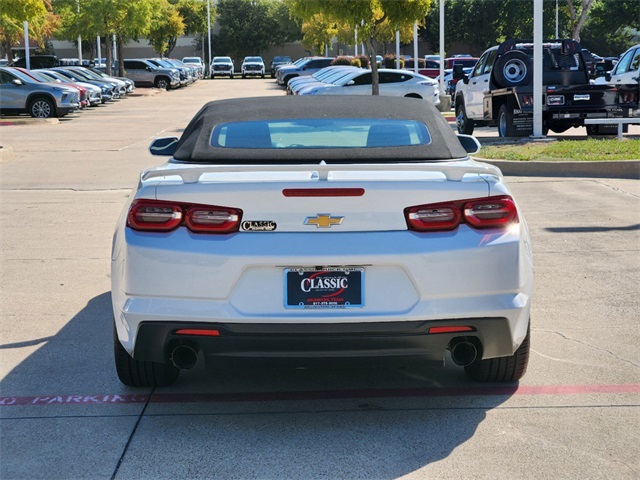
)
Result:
{"points": [[465, 125], [502, 369], [505, 121], [162, 83], [139, 373], [42, 108], [244, 76], [513, 69]]}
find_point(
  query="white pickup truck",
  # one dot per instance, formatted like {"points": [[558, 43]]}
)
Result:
{"points": [[499, 91]]}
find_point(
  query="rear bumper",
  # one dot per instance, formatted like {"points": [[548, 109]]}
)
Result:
{"points": [[381, 340]]}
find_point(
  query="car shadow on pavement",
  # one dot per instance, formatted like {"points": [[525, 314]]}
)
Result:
{"points": [[627, 228], [265, 421]]}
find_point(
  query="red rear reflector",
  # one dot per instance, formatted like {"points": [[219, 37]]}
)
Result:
{"points": [[201, 333], [451, 329], [323, 192]]}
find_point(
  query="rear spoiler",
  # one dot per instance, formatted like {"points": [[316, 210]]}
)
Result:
{"points": [[453, 171]]}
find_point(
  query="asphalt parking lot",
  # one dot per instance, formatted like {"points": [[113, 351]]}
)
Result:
{"points": [[64, 414]]}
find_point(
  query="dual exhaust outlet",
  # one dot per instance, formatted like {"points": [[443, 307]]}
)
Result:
{"points": [[463, 353]]}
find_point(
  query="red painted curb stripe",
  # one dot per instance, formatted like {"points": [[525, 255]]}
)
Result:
{"points": [[321, 395]]}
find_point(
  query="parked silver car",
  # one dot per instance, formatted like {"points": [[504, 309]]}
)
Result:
{"points": [[22, 94], [146, 74]]}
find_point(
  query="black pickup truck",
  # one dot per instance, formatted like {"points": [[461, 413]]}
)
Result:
{"points": [[499, 91]]}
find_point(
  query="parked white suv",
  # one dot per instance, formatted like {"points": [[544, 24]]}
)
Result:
{"points": [[222, 66], [252, 66]]}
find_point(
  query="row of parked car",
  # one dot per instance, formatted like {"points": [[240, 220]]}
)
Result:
{"points": [[49, 89], [58, 91], [317, 76]]}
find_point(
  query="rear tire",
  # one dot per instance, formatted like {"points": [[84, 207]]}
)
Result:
{"points": [[465, 125], [139, 373], [502, 369], [505, 121]]}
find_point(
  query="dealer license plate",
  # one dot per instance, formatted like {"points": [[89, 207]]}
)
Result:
{"points": [[329, 287]]}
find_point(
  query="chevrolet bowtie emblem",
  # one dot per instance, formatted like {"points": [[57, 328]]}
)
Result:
{"points": [[323, 220]]}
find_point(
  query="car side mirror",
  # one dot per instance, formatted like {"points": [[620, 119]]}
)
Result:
{"points": [[17, 82], [469, 143], [458, 72], [607, 77], [465, 79], [351, 82], [164, 146]]}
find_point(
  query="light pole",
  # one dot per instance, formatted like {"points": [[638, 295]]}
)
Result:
{"points": [[209, 32], [415, 47], [537, 69], [79, 40], [27, 58], [557, 19], [441, 47]]}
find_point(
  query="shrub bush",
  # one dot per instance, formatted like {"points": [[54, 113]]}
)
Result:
{"points": [[409, 64], [389, 61], [364, 61], [342, 61], [355, 62]]}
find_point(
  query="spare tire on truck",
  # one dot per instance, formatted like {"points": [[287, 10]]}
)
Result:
{"points": [[513, 69]]}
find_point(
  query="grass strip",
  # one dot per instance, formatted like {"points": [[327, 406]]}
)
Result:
{"points": [[590, 150]]}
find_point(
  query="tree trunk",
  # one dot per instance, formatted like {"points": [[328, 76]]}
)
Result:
{"points": [[577, 21], [120, 48], [109, 54], [370, 45]]}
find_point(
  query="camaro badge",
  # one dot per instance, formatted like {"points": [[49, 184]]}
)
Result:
{"points": [[323, 220]]}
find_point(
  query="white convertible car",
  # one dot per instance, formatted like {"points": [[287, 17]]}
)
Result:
{"points": [[316, 228]]}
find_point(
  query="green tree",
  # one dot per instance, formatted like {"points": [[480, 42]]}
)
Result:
{"points": [[377, 20], [484, 23], [578, 15], [13, 14], [124, 18], [249, 27], [611, 26], [166, 26]]}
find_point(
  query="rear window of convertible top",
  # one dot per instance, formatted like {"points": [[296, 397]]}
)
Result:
{"points": [[320, 133]]}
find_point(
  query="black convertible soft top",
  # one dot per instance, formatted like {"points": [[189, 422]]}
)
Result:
{"points": [[195, 144]]}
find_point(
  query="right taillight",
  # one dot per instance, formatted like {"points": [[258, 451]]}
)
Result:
{"points": [[162, 216], [490, 212]]}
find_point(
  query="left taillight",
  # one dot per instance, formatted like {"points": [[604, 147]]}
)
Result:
{"points": [[490, 212], [161, 216]]}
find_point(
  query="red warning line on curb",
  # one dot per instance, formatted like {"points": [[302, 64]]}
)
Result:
{"points": [[159, 398]]}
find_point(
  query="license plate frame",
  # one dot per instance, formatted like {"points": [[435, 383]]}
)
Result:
{"points": [[324, 288]]}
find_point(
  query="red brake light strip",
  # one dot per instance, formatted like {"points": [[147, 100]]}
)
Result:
{"points": [[323, 192]]}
